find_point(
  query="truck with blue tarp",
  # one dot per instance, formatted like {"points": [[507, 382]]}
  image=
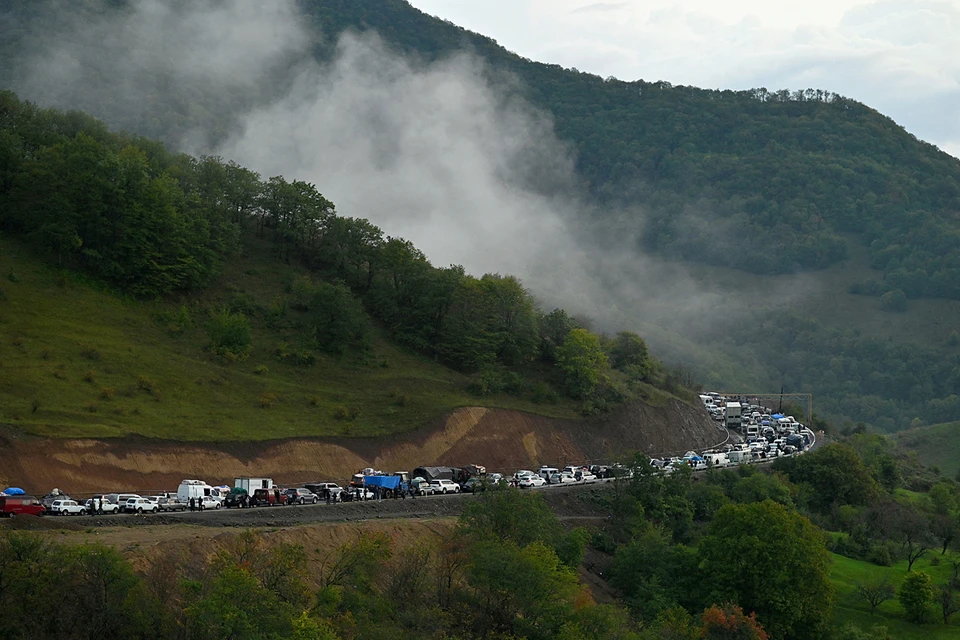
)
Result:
{"points": [[389, 485]]}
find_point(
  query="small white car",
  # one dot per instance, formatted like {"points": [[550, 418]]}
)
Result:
{"points": [[208, 502], [140, 505], [531, 481], [105, 506], [445, 486], [67, 508]]}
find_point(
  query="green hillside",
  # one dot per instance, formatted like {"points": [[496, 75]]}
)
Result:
{"points": [[849, 220], [936, 445], [79, 361]]}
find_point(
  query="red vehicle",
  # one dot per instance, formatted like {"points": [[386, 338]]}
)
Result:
{"points": [[12, 506], [268, 497]]}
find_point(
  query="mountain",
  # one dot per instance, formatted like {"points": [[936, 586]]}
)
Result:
{"points": [[822, 238]]}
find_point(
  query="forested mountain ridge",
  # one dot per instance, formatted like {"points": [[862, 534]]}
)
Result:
{"points": [[776, 175]]}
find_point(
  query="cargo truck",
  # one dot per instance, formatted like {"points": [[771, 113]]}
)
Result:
{"points": [[732, 414]]}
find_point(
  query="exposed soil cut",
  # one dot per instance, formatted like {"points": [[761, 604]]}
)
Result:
{"points": [[497, 438]]}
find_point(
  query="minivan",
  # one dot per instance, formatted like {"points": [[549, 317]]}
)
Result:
{"points": [[12, 506]]}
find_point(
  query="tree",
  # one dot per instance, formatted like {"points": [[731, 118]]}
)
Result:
{"points": [[582, 361], [629, 354], [337, 319], [913, 530], [945, 529], [730, 623], [229, 334], [948, 600], [894, 300], [876, 592], [522, 590], [836, 475], [772, 561], [916, 595]]}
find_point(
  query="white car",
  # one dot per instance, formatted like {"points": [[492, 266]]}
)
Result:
{"points": [[562, 478], [209, 502], [586, 476], [68, 508], [140, 505], [105, 506], [445, 486], [531, 481]]}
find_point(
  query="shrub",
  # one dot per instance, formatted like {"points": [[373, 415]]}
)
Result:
{"points": [[543, 393], [267, 400], [35, 405], [346, 413], [174, 322], [107, 393], [895, 301], [260, 369], [146, 384], [879, 554], [93, 407], [242, 302], [302, 358], [89, 376], [313, 401], [89, 352], [60, 373], [229, 335], [46, 354]]}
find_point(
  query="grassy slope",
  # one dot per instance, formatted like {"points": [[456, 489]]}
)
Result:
{"points": [[846, 573], [142, 380], [937, 444]]}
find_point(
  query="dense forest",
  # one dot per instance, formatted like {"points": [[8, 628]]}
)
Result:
{"points": [[152, 223], [764, 181], [748, 553]]}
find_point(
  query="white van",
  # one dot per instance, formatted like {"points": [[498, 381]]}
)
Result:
{"points": [[198, 490], [546, 472], [120, 499]]}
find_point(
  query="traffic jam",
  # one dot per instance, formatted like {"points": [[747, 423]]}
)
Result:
{"points": [[754, 434]]}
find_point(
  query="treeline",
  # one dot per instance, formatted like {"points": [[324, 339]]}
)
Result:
{"points": [[150, 222], [854, 377], [506, 571]]}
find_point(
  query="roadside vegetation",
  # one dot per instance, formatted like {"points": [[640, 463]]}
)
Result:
{"points": [[842, 543]]}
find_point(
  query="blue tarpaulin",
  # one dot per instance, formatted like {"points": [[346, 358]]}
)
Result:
{"points": [[777, 416], [14, 491], [387, 482]]}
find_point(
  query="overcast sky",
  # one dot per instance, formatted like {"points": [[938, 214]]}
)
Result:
{"points": [[901, 57]]}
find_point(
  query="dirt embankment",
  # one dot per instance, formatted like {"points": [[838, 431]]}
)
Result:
{"points": [[500, 439]]}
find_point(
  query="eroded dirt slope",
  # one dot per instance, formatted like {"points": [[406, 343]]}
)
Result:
{"points": [[500, 439]]}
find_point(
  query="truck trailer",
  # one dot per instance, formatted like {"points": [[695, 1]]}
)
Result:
{"points": [[733, 415]]}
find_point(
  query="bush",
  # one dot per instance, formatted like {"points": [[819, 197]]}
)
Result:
{"points": [[267, 400], [346, 413], [879, 554], [89, 376], [107, 393], [895, 301], [260, 369], [89, 352], [244, 303], [543, 393], [229, 335]]}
